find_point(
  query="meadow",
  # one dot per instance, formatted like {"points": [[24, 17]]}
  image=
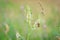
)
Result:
{"points": [[29, 20]]}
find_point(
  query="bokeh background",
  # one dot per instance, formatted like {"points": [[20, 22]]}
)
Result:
{"points": [[14, 25]]}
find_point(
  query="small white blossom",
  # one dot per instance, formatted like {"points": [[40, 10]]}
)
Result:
{"points": [[17, 34], [28, 14], [35, 24]]}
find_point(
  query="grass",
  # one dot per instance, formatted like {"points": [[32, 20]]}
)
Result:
{"points": [[16, 19]]}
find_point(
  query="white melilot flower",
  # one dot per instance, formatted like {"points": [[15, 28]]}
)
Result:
{"points": [[38, 22], [28, 14], [29, 18], [35, 24], [27, 11], [18, 35]]}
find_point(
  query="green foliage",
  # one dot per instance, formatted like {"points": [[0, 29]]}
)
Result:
{"points": [[18, 23]]}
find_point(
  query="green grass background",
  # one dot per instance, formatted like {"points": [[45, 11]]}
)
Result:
{"points": [[11, 14]]}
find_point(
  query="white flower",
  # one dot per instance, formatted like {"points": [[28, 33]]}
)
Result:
{"points": [[35, 24], [28, 14], [17, 34], [41, 22]]}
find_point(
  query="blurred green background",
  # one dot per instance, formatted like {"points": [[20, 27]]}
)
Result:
{"points": [[13, 19]]}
